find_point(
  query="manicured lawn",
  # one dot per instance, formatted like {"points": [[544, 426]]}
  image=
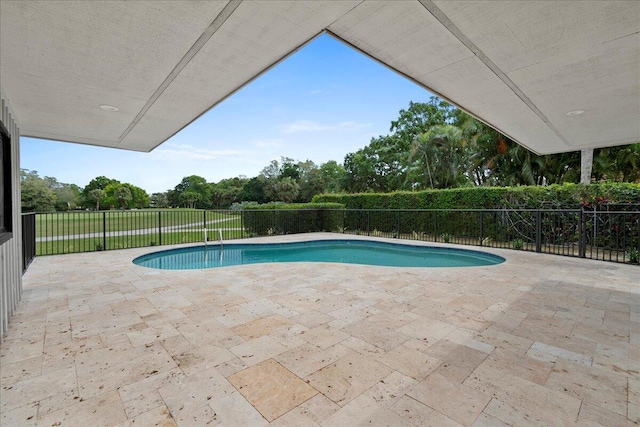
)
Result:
{"points": [[56, 247], [69, 232], [74, 223]]}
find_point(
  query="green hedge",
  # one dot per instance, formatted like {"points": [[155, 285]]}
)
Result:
{"points": [[279, 218], [567, 196]]}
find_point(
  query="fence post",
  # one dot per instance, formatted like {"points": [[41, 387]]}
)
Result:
{"points": [[638, 221], [582, 238], [538, 231], [159, 228], [481, 230], [398, 232], [28, 226], [435, 226], [104, 231], [368, 223]]}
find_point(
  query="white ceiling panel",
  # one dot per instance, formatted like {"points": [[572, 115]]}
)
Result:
{"points": [[518, 66], [256, 36]]}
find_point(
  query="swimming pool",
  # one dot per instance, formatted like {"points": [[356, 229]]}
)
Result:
{"points": [[338, 251]]}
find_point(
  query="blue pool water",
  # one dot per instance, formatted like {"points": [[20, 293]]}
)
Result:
{"points": [[341, 251]]}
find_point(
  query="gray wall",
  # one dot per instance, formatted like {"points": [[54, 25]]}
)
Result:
{"points": [[11, 251]]}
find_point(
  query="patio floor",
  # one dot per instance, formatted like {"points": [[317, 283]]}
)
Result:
{"points": [[538, 340]]}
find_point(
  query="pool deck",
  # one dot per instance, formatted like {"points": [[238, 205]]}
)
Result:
{"points": [[538, 340]]}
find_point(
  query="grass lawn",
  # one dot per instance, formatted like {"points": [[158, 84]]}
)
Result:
{"points": [[130, 241], [73, 223]]}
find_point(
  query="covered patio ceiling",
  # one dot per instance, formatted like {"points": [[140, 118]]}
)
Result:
{"points": [[525, 68]]}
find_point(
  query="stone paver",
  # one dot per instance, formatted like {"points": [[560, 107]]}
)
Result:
{"points": [[271, 388], [537, 340]]}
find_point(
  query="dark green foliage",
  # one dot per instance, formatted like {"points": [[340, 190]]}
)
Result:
{"points": [[36, 195], [227, 191], [514, 215], [279, 218], [97, 183], [198, 193], [253, 190], [567, 196]]}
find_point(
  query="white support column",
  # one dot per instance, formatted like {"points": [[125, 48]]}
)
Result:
{"points": [[586, 164]]}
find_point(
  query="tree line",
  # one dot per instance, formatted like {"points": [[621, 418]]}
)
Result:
{"points": [[434, 145], [48, 195], [430, 145]]}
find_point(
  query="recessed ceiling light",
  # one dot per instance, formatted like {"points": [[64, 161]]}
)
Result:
{"points": [[106, 107], [575, 113]]}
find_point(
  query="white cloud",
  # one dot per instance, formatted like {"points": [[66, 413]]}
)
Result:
{"points": [[313, 126], [189, 152], [264, 143]]}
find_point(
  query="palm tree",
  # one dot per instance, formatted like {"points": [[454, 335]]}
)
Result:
{"points": [[123, 196], [442, 153], [285, 189], [97, 195], [617, 163]]}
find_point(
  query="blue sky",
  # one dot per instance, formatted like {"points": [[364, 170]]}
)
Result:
{"points": [[321, 103]]}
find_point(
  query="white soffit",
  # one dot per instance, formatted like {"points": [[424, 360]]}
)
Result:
{"points": [[519, 66]]}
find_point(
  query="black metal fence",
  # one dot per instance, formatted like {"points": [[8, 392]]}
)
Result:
{"points": [[28, 239], [604, 235], [71, 232], [610, 235]]}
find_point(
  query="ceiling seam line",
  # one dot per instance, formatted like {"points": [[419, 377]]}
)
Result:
{"points": [[234, 91], [344, 14], [457, 33], [215, 25]]}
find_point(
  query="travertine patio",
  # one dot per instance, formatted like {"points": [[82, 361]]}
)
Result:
{"points": [[538, 340]]}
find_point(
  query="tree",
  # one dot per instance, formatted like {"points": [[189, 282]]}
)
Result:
{"points": [[271, 171], [97, 195], [196, 184], [281, 177], [288, 168], [189, 198], [139, 197], [254, 190], [620, 163], [36, 195], [385, 164], [67, 196], [442, 155], [283, 190], [333, 175], [361, 174], [420, 117], [100, 183], [123, 196], [133, 197], [159, 200], [227, 191]]}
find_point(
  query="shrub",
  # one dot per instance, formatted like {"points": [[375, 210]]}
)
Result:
{"points": [[242, 205], [279, 218], [567, 196], [518, 244]]}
